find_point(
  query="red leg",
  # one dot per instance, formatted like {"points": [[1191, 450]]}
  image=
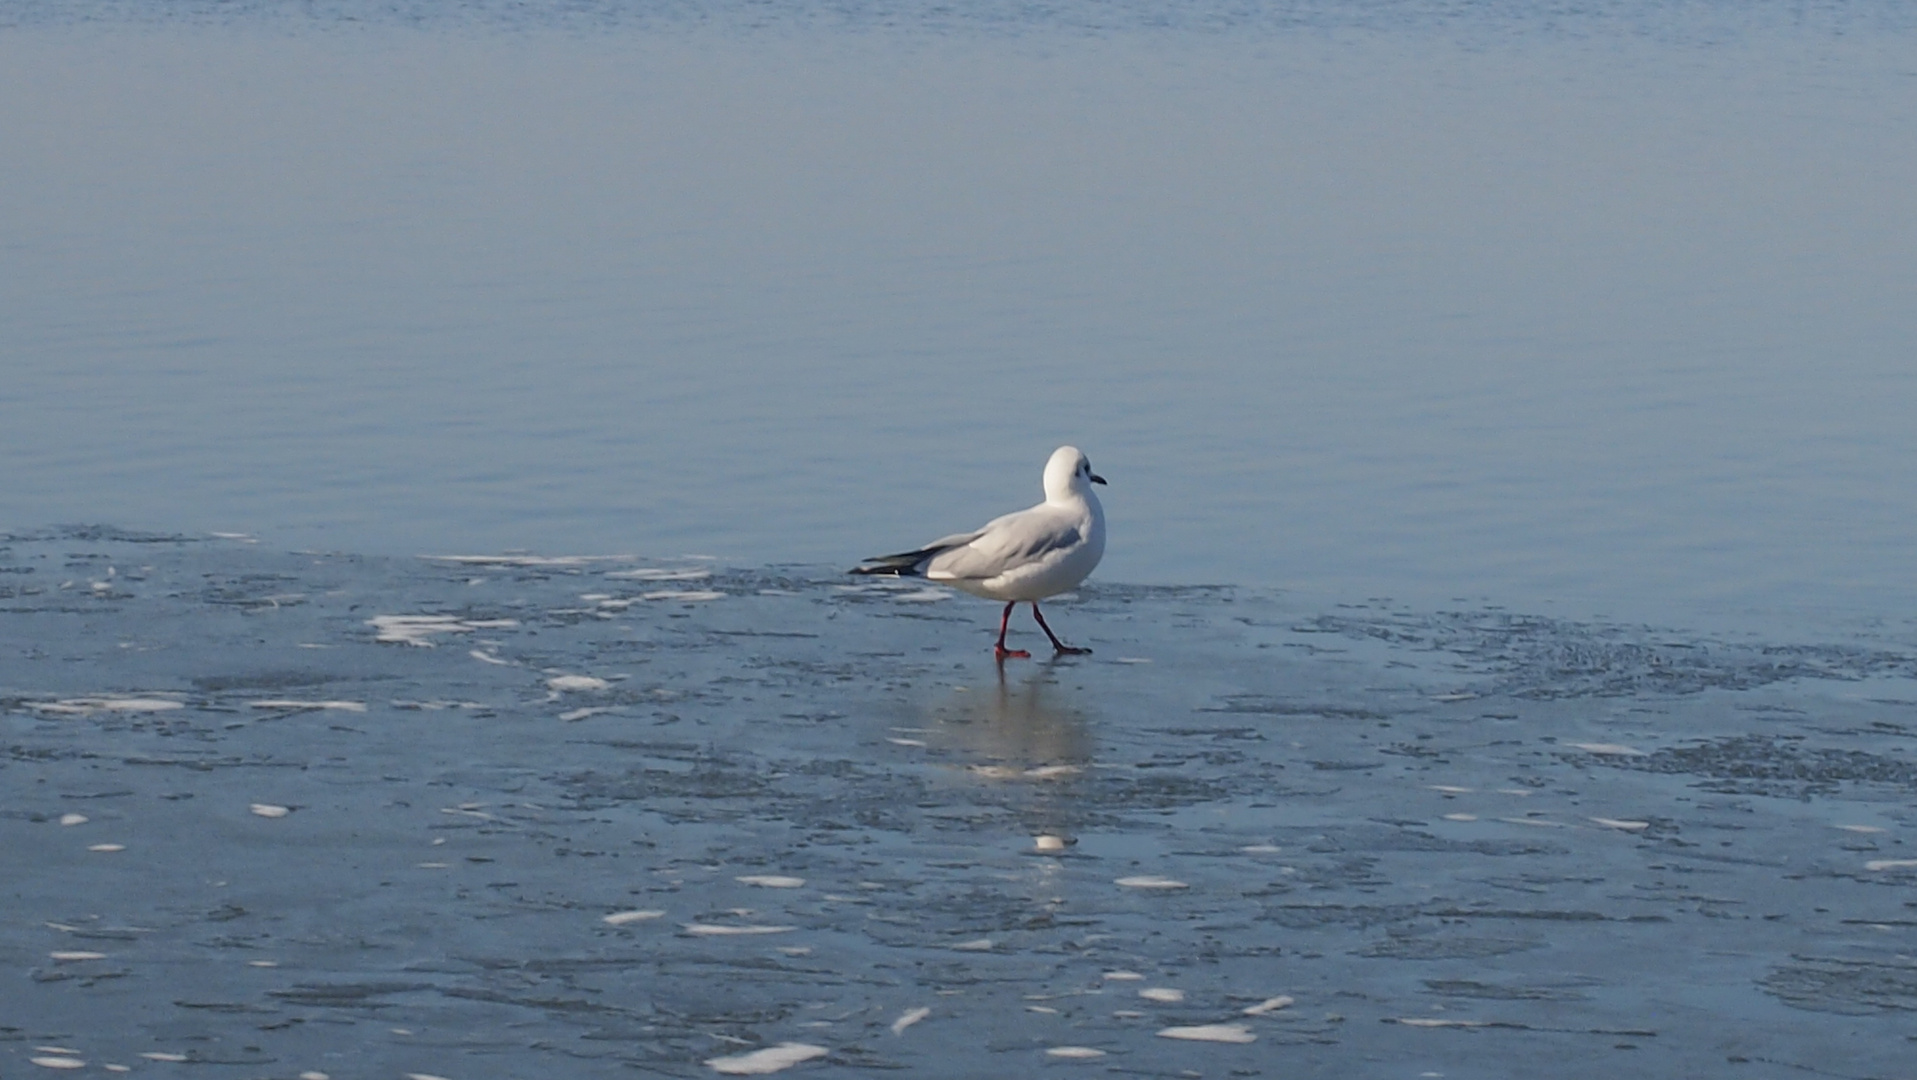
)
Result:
{"points": [[1004, 621], [1056, 644]]}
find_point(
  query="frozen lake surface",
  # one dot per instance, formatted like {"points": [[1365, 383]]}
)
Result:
{"points": [[278, 813]]}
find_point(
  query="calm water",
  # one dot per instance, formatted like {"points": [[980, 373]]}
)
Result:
{"points": [[1600, 312]]}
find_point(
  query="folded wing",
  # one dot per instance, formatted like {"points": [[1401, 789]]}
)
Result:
{"points": [[1006, 544]]}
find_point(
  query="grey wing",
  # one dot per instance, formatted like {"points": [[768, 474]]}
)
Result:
{"points": [[1006, 543], [912, 563]]}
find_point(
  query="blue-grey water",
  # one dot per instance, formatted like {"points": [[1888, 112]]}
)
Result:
{"points": [[434, 435], [1606, 309]]}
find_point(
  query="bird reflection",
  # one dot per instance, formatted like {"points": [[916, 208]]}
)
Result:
{"points": [[1029, 746], [1017, 730]]}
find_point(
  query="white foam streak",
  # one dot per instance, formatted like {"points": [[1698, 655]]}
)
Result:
{"points": [[527, 560], [922, 596], [660, 573], [1149, 881], [770, 1060], [1609, 749], [1051, 772], [1219, 1033], [623, 918], [419, 629], [576, 683], [84, 706], [288, 703]]}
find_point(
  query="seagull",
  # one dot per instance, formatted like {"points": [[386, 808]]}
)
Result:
{"points": [[1025, 556]]}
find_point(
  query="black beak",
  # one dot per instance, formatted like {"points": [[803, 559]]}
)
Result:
{"points": [[1097, 479]]}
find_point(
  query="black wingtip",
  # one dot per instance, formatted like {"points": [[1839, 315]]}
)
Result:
{"points": [[901, 565]]}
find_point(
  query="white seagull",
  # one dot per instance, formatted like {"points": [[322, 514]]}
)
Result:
{"points": [[1026, 556]]}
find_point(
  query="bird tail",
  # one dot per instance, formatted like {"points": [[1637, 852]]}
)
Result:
{"points": [[904, 564]]}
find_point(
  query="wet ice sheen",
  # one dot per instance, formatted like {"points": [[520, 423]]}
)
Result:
{"points": [[605, 863]]}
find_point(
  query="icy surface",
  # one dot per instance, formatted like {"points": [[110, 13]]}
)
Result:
{"points": [[803, 813]]}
